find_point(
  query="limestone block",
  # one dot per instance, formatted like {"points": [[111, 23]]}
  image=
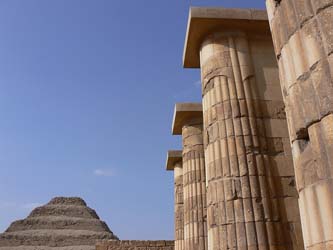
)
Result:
{"points": [[322, 81], [280, 36], [321, 5], [317, 216], [288, 67], [276, 128], [270, 109], [135, 245], [303, 10], [313, 157], [298, 57], [286, 187], [302, 101], [281, 166], [293, 229], [270, 6], [325, 19], [270, 92], [289, 16], [312, 50], [286, 146]]}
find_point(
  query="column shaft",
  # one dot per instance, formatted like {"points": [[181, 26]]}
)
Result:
{"points": [[179, 207], [194, 188], [302, 33], [251, 204]]}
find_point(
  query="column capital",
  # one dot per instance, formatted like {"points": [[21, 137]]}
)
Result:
{"points": [[183, 114], [204, 21], [173, 157]]}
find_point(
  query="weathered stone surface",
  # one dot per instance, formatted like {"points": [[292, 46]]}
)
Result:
{"points": [[184, 113], [302, 32], [135, 245], [62, 224], [175, 162], [249, 170], [202, 20], [188, 120], [82, 247]]}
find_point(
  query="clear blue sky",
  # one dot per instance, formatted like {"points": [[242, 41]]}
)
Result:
{"points": [[87, 90]]}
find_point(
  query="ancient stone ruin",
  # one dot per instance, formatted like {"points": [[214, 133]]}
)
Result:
{"points": [[63, 223], [68, 224], [256, 167], [135, 245]]}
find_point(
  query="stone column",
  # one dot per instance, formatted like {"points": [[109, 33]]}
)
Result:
{"points": [[251, 197], [174, 163], [188, 122], [302, 33]]}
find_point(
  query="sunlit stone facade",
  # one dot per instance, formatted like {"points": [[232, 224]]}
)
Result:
{"points": [[267, 125]]}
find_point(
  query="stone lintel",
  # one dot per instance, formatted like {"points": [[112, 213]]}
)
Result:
{"points": [[173, 157], [183, 114], [204, 21]]}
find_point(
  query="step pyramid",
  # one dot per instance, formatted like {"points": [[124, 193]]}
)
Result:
{"points": [[62, 224]]}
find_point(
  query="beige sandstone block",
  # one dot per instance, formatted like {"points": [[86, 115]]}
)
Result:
{"points": [[287, 8], [320, 5], [265, 73], [248, 210], [296, 50], [270, 92], [283, 79], [281, 35], [239, 215], [276, 128], [241, 236], [303, 10], [260, 228], [288, 68], [286, 187], [321, 78], [286, 146], [232, 236], [311, 50], [270, 6], [245, 188], [258, 209], [223, 237]]}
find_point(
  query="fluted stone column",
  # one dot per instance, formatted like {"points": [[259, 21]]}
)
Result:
{"points": [[188, 122], [251, 196], [174, 163], [302, 32]]}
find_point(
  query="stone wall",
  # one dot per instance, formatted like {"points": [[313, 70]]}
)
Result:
{"points": [[135, 245], [303, 40]]}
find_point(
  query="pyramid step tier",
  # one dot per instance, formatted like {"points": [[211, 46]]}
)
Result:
{"points": [[64, 210], [52, 238], [58, 222], [65, 223], [48, 248]]}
